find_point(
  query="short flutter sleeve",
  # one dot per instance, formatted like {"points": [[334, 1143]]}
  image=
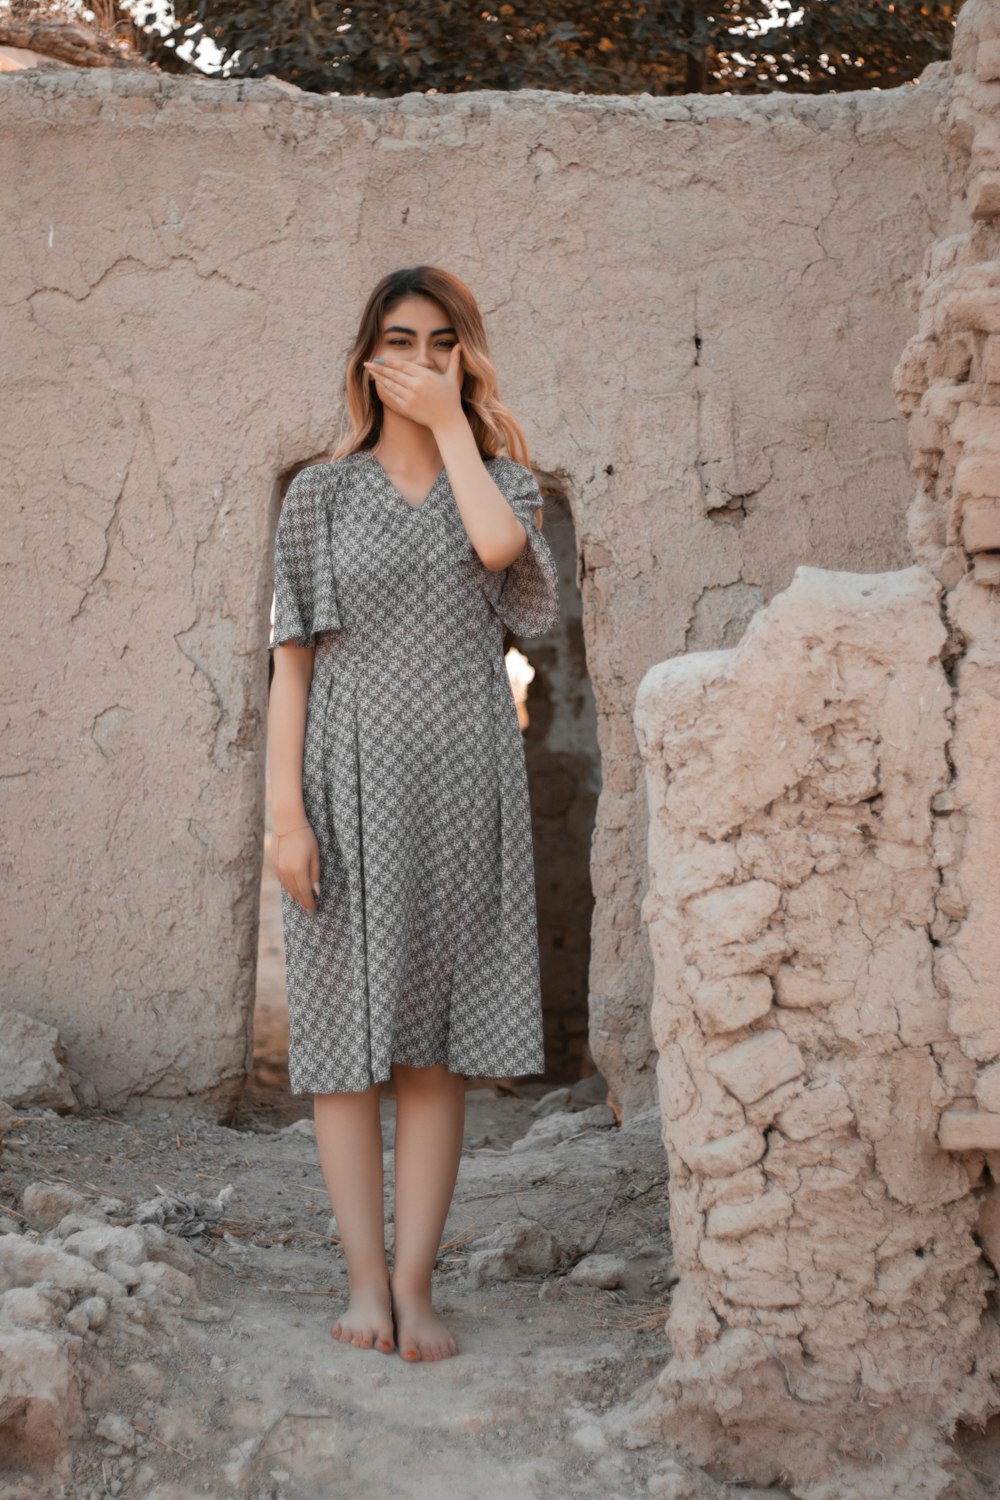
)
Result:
{"points": [[528, 597], [305, 598]]}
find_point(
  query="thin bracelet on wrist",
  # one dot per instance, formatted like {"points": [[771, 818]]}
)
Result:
{"points": [[291, 830]]}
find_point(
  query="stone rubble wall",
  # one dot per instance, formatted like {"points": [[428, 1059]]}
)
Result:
{"points": [[823, 909], [948, 386], [71, 1282]]}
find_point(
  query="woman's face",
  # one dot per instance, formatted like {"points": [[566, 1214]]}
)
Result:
{"points": [[417, 329]]}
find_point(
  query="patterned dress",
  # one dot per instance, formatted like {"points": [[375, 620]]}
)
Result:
{"points": [[424, 947]]}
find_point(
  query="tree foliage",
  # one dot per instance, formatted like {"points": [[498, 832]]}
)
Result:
{"points": [[621, 47]]}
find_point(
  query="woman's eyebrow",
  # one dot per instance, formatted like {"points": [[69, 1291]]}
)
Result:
{"points": [[398, 328]]}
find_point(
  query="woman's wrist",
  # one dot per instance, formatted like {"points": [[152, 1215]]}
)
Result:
{"points": [[287, 816], [285, 831], [454, 429]]}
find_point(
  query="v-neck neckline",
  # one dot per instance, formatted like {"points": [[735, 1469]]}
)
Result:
{"points": [[397, 493]]}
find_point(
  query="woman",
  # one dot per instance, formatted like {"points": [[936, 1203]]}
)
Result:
{"points": [[399, 793]]}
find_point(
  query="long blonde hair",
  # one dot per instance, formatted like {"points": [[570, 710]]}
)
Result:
{"points": [[493, 426]]}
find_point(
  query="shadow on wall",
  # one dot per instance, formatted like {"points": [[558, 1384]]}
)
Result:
{"points": [[564, 776], [559, 725]]}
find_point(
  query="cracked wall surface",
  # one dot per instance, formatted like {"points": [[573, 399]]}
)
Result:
{"points": [[694, 303], [823, 910]]}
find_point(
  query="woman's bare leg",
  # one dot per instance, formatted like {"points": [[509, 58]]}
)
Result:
{"points": [[430, 1119], [349, 1138]]}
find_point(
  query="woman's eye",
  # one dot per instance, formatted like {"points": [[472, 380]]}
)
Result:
{"points": [[401, 343]]}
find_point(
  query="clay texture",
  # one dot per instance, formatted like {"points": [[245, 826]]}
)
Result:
{"points": [[695, 304], [823, 907]]}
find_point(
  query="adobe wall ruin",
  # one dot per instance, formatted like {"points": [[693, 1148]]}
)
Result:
{"points": [[824, 914], [694, 303]]}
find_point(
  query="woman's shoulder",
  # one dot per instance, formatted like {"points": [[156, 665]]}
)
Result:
{"points": [[311, 476], [324, 477]]}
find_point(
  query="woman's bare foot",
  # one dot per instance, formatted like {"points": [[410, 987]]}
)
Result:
{"points": [[420, 1333], [366, 1322]]}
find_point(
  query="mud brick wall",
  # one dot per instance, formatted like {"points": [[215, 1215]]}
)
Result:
{"points": [[694, 303], [823, 908]]}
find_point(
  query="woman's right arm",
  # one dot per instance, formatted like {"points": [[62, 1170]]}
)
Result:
{"points": [[295, 855]]}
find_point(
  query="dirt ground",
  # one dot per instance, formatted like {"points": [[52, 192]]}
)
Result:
{"points": [[233, 1387], [259, 1400]]}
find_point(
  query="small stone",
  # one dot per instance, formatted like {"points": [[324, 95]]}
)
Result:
{"points": [[804, 989], [590, 1438], [589, 1091], [822, 1106], [509, 1250], [730, 1153], [765, 1110], [95, 1310], [692, 1325], [988, 1088], [734, 1221], [671, 1482], [988, 59], [33, 1072], [651, 1269], [76, 1321], [548, 1104], [986, 569], [989, 1225], [23, 1262], [735, 913], [969, 1130], [981, 526], [752, 1068], [978, 309], [30, 1304], [44, 1204], [485, 1266], [559, 1126], [728, 1004], [115, 1429], [600, 1271]]}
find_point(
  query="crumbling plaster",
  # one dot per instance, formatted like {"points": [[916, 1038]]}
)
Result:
{"points": [[695, 304], [824, 904]]}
